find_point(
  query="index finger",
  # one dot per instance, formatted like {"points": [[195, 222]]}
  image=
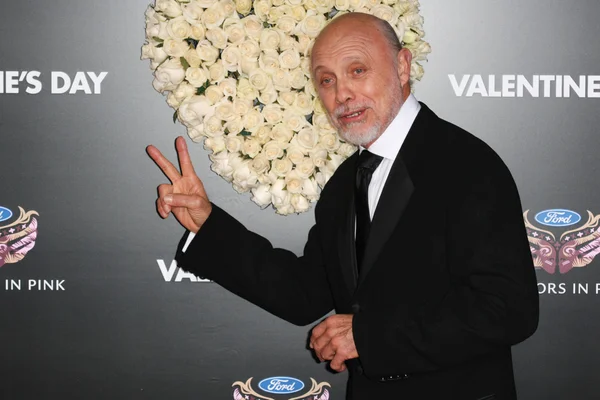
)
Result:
{"points": [[185, 163], [165, 165]]}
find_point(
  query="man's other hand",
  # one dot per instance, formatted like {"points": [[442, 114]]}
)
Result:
{"points": [[185, 197], [333, 340]]}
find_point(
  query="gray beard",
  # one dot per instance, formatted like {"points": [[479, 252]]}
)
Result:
{"points": [[361, 139]]}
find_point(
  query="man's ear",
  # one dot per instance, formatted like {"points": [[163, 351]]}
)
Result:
{"points": [[404, 63]]}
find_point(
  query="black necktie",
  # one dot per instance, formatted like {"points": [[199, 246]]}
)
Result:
{"points": [[367, 164]]}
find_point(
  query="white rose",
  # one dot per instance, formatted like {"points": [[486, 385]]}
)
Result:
{"points": [[289, 59], [235, 33], [318, 156], [248, 64], [410, 36], [242, 106], [175, 48], [269, 39], [305, 66], [158, 30], [412, 19], [306, 168], [251, 148], [214, 144], [253, 26], [249, 48], [321, 122], [416, 71], [243, 6], [229, 8], [273, 113], [303, 104], [245, 90], [183, 91], [269, 95], [168, 75], [197, 133], [170, 8], [286, 98], [296, 154], [196, 76], [305, 44], [221, 165], [261, 9], [323, 6], [192, 12], [273, 150], [281, 133], [308, 138], [330, 142], [282, 167], [293, 120], [156, 54], [419, 50], [207, 52], [197, 32], [298, 12], [277, 3], [297, 79], [192, 58], [286, 24], [213, 126], [217, 37], [299, 203], [312, 24], [279, 196], [260, 164], [213, 16], [342, 5], [235, 125], [318, 107], [194, 109], [386, 13], [322, 177], [229, 87], [295, 3], [281, 80], [346, 150], [311, 189], [293, 182], [261, 195], [287, 42], [252, 120], [357, 4], [179, 28], [152, 16], [214, 94], [335, 160], [217, 72], [172, 101], [262, 134], [231, 58], [233, 143], [224, 111]]}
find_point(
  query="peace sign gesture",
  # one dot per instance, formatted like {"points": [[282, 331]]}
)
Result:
{"points": [[185, 197]]}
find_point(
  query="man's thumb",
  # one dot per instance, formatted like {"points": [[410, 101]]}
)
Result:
{"points": [[183, 200]]}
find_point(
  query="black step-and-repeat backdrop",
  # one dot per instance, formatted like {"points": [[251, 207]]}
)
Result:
{"points": [[92, 304]]}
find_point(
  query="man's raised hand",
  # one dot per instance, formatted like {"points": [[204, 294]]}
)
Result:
{"points": [[185, 197]]}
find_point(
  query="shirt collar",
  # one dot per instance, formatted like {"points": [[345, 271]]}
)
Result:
{"points": [[388, 144]]}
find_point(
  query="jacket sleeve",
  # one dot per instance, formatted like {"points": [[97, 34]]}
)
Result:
{"points": [[490, 302], [290, 287]]}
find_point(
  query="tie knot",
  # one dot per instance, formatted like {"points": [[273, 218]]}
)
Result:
{"points": [[368, 160]]}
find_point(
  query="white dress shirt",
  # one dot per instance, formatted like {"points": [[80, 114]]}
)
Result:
{"points": [[387, 146]]}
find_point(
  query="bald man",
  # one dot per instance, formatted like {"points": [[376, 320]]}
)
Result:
{"points": [[418, 245]]}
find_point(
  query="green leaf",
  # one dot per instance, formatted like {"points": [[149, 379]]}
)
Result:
{"points": [[158, 46], [175, 116], [157, 39], [200, 90], [184, 63], [245, 133]]}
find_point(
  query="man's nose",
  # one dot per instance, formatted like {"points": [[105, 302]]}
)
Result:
{"points": [[343, 92]]}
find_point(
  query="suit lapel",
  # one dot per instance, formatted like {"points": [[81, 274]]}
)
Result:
{"points": [[399, 187], [394, 198]]}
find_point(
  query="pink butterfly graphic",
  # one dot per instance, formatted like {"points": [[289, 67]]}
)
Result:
{"points": [[575, 248]]}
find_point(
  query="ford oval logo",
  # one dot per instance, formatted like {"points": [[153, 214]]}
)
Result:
{"points": [[5, 214], [281, 385], [557, 217]]}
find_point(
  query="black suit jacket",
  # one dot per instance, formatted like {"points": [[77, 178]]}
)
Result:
{"points": [[447, 284]]}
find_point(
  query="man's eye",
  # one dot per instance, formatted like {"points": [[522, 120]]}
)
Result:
{"points": [[326, 81], [359, 71]]}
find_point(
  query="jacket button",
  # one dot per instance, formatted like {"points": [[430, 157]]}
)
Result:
{"points": [[355, 308]]}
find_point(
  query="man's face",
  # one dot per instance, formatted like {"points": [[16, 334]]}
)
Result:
{"points": [[359, 80]]}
